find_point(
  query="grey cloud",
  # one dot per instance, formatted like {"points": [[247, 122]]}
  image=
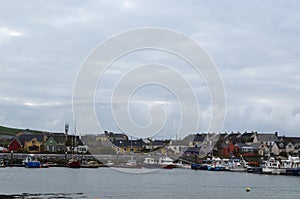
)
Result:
{"points": [[255, 45]]}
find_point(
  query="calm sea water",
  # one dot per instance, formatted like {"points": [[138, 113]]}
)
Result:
{"points": [[175, 184]]}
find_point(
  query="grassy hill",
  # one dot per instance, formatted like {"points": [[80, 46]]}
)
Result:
{"points": [[13, 131]]}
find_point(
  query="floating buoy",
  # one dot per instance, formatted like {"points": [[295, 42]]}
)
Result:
{"points": [[248, 189]]}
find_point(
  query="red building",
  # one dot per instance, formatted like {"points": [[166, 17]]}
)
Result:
{"points": [[228, 150], [14, 145]]}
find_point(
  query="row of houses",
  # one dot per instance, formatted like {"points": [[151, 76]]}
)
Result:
{"points": [[204, 144], [45, 142], [246, 144], [223, 144], [119, 143]]}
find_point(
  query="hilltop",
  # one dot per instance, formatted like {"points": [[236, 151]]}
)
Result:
{"points": [[13, 131]]}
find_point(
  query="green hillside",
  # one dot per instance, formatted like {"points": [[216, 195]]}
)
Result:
{"points": [[14, 131]]}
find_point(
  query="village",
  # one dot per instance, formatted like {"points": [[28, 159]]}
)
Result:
{"points": [[118, 149], [247, 144]]}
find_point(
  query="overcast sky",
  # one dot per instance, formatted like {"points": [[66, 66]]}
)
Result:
{"points": [[254, 44]]}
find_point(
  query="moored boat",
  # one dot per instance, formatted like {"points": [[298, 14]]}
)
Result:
{"points": [[72, 163], [272, 166], [181, 165], [217, 165], [132, 163], [90, 164], [237, 165], [295, 166], [166, 162], [150, 163], [31, 162]]}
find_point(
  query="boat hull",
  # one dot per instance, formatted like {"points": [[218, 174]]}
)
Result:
{"points": [[293, 172], [74, 164], [32, 165], [167, 166]]}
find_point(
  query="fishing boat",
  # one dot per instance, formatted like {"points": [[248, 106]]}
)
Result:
{"points": [[295, 166], [132, 163], [204, 165], [217, 165], [272, 166], [181, 165], [109, 163], [90, 164], [31, 162], [73, 163], [254, 167], [150, 163], [237, 165], [166, 162]]}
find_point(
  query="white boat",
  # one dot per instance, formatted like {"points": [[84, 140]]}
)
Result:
{"points": [[166, 162], [132, 163], [150, 163], [272, 166], [180, 165], [226, 164], [89, 164], [237, 165], [217, 165], [294, 166], [110, 163]]}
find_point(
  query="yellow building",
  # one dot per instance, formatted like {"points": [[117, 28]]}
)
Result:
{"points": [[34, 143], [128, 146]]}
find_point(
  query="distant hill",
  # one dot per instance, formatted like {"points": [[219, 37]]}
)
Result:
{"points": [[13, 131]]}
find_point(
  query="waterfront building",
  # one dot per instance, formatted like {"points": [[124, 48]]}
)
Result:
{"points": [[128, 146]]}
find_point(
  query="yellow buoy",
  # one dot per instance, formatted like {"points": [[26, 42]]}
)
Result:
{"points": [[248, 189]]}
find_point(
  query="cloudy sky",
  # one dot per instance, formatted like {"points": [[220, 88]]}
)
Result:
{"points": [[255, 46]]}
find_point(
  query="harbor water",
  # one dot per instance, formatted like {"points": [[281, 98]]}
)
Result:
{"points": [[111, 183]]}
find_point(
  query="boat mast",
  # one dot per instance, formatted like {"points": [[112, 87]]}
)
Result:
{"points": [[75, 140]]}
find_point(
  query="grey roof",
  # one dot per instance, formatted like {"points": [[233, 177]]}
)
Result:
{"points": [[265, 137], [233, 137], [59, 139], [255, 145], [111, 134], [247, 137], [281, 144], [241, 145], [192, 150], [159, 143], [179, 143], [23, 138], [199, 138], [293, 140]]}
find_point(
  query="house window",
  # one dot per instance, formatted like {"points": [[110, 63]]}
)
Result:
{"points": [[281, 145]]}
